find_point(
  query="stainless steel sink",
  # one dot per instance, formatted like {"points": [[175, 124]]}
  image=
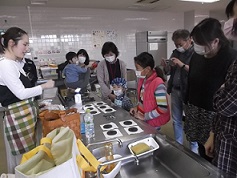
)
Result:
{"points": [[170, 160]]}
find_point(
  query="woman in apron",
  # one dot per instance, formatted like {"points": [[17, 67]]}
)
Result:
{"points": [[17, 96]]}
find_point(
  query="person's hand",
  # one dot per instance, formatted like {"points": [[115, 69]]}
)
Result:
{"points": [[139, 116], [176, 61], [112, 97], [133, 111], [48, 84], [82, 65], [163, 62], [209, 145]]}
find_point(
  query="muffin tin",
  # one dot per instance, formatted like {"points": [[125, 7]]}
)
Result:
{"points": [[133, 130], [99, 103], [128, 123], [112, 133], [106, 109], [93, 109], [109, 126]]}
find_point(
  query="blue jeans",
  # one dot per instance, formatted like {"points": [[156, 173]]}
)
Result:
{"points": [[177, 116]]}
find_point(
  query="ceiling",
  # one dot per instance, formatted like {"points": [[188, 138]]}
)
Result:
{"points": [[145, 5]]}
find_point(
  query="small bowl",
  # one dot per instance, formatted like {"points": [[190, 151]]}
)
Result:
{"points": [[116, 169]]}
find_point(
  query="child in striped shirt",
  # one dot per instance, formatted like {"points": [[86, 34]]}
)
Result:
{"points": [[153, 104]]}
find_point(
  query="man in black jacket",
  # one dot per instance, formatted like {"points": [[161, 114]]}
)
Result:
{"points": [[178, 67]]}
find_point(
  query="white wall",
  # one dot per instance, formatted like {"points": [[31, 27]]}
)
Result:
{"points": [[73, 29]]}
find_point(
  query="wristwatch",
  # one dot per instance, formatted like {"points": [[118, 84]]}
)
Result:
{"points": [[183, 66]]}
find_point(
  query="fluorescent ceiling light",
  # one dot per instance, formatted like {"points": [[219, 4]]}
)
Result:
{"points": [[38, 2], [136, 19], [76, 18], [202, 1]]}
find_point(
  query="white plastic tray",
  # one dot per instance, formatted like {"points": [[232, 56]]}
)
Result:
{"points": [[149, 141]]}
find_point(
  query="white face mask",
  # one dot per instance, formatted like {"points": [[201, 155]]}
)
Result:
{"points": [[110, 58], [228, 29], [199, 49], [181, 49], [118, 92], [82, 59], [139, 74]]}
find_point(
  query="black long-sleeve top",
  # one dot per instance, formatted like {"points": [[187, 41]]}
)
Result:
{"points": [[206, 75]]}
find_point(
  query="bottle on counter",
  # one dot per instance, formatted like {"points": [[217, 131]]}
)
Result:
{"points": [[109, 155], [82, 122], [77, 97], [89, 125]]}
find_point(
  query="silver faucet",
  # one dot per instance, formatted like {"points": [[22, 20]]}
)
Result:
{"points": [[106, 141], [115, 161]]}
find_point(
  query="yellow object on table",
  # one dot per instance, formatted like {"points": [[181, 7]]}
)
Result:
{"points": [[140, 148]]}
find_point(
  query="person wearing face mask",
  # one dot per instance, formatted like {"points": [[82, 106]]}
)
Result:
{"points": [[74, 70], [110, 68], [178, 70], [152, 101], [84, 61], [230, 26], [119, 86], [207, 72]]}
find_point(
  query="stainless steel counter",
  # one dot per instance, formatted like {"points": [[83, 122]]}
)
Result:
{"points": [[169, 161]]}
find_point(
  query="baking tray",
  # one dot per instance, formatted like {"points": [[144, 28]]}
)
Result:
{"points": [[99, 103], [106, 109], [131, 131], [110, 126], [127, 123], [93, 109], [149, 141], [118, 134]]}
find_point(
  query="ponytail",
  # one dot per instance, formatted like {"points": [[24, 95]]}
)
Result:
{"points": [[159, 73], [13, 33]]}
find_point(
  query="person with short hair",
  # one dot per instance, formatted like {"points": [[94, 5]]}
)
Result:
{"points": [[84, 60], [110, 68], [178, 67], [152, 101], [73, 72]]}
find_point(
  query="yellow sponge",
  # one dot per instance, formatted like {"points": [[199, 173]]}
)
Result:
{"points": [[140, 148]]}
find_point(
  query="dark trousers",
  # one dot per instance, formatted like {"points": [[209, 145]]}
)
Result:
{"points": [[202, 152]]}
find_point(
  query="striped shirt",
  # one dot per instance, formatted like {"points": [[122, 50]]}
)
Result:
{"points": [[161, 100]]}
